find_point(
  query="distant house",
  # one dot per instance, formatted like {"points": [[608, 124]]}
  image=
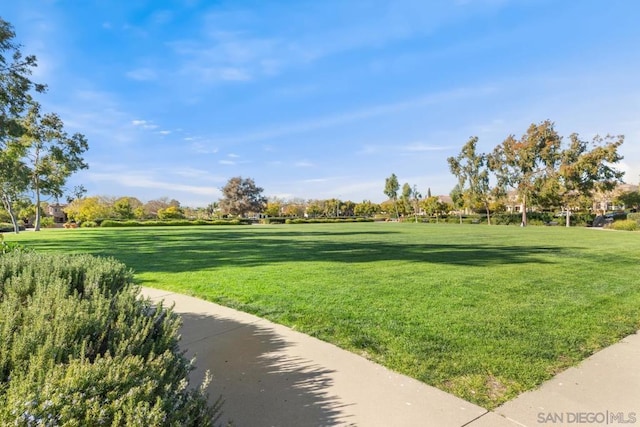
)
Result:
{"points": [[57, 213], [605, 202]]}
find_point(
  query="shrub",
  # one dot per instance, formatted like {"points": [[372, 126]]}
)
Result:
{"points": [[624, 225], [89, 224], [47, 222], [635, 216], [175, 222], [6, 247], [79, 348]]}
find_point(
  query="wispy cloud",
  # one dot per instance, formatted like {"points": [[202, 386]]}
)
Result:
{"points": [[303, 164], [422, 147], [359, 114], [149, 180], [142, 74], [144, 124]]}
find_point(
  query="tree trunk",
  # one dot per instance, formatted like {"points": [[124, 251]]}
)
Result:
{"points": [[37, 224], [567, 212], [6, 201], [524, 211], [395, 204], [460, 215], [486, 206]]}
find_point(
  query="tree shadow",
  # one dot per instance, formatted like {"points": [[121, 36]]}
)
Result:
{"points": [[155, 250], [259, 382]]}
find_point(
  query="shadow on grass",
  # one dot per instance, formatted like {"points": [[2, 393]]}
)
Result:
{"points": [[260, 384], [159, 250]]}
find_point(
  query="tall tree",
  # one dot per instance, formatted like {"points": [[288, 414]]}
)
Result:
{"points": [[241, 196], [391, 187], [457, 197], [52, 155], [525, 164], [472, 172], [405, 199], [15, 82], [15, 93], [433, 206], [14, 180], [585, 167]]}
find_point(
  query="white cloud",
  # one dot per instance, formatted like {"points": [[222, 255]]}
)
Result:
{"points": [[149, 181], [421, 147], [360, 114], [227, 162], [142, 74], [303, 164], [144, 124]]}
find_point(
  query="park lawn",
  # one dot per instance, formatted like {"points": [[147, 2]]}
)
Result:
{"points": [[483, 312]]}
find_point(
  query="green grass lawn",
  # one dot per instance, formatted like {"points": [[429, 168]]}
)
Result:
{"points": [[482, 312]]}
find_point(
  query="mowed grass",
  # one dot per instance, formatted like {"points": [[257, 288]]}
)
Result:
{"points": [[482, 312]]}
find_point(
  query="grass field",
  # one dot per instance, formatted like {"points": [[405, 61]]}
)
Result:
{"points": [[482, 312]]}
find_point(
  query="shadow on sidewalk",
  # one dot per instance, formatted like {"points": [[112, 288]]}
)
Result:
{"points": [[261, 384]]}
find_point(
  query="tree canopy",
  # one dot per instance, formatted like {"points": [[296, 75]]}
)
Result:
{"points": [[242, 196], [391, 187], [35, 151]]}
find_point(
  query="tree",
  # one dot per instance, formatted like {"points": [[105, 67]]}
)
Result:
{"points": [[273, 208], [391, 187], [526, 164], [457, 197], [52, 155], [125, 207], [15, 82], [15, 88], [88, 209], [78, 192], [405, 198], [14, 180], [433, 206], [584, 167], [472, 172], [170, 212], [241, 196], [631, 199], [366, 208]]}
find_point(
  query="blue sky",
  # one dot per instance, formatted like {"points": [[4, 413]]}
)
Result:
{"points": [[322, 99]]}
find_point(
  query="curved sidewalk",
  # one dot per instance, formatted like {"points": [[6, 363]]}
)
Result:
{"points": [[270, 375]]}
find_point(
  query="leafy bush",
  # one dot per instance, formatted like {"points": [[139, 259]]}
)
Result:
{"points": [[89, 224], [326, 220], [47, 222], [79, 348], [635, 216], [624, 225], [6, 247], [175, 222]]}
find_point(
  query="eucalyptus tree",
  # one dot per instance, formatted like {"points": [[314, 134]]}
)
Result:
{"points": [[391, 187], [471, 169], [15, 93], [32, 145], [52, 156]]}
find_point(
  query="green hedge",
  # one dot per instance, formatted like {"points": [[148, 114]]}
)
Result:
{"points": [[635, 216], [325, 220], [79, 348], [174, 222], [624, 225]]}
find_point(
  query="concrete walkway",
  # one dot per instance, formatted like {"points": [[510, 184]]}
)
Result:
{"points": [[270, 375]]}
